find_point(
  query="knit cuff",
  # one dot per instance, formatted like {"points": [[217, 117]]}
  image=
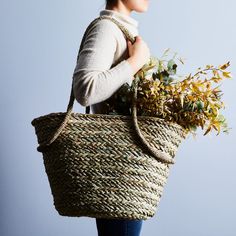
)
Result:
{"points": [[127, 70]]}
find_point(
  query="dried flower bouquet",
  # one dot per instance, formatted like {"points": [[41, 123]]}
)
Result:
{"points": [[192, 101]]}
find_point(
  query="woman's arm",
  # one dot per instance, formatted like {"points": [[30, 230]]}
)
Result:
{"points": [[93, 80]]}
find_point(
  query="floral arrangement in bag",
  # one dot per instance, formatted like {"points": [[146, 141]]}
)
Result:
{"points": [[191, 101]]}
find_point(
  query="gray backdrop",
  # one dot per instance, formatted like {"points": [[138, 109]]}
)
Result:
{"points": [[39, 44]]}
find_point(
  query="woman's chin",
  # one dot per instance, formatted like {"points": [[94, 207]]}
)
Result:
{"points": [[142, 10]]}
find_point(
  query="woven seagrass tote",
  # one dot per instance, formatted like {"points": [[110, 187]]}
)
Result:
{"points": [[107, 166]]}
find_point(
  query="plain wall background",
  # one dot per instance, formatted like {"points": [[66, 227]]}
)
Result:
{"points": [[38, 48]]}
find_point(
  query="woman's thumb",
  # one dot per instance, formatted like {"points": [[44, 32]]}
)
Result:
{"points": [[128, 42]]}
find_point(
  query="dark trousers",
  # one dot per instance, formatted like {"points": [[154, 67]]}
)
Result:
{"points": [[118, 227]]}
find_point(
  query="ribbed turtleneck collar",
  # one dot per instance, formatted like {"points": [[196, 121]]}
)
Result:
{"points": [[120, 16]]}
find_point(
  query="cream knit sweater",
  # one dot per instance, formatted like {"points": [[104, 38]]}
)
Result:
{"points": [[102, 67]]}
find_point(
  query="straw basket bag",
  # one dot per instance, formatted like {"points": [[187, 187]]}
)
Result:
{"points": [[110, 166]]}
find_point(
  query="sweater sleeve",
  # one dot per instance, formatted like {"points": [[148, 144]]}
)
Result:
{"points": [[94, 80]]}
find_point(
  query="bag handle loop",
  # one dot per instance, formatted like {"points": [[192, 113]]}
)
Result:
{"points": [[155, 152]]}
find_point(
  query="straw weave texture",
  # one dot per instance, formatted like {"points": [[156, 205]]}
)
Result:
{"points": [[97, 166]]}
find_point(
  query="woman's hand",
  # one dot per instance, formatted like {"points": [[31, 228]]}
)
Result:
{"points": [[139, 53]]}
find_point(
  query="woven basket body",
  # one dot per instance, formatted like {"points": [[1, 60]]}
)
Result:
{"points": [[97, 166]]}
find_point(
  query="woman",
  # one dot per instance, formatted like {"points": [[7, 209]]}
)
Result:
{"points": [[106, 62]]}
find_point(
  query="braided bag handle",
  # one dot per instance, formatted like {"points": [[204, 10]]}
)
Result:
{"points": [[155, 152]]}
